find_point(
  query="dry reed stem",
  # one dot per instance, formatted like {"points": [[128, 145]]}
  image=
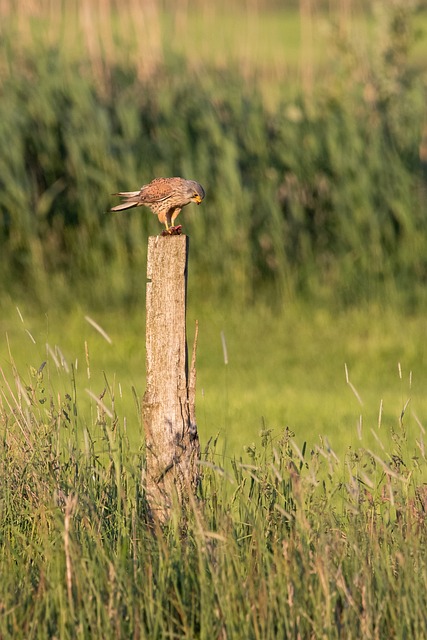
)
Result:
{"points": [[70, 508], [106, 32]]}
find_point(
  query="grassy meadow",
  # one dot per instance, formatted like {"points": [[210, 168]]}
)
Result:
{"points": [[286, 540], [284, 370], [305, 122]]}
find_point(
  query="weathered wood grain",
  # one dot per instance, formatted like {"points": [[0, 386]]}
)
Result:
{"points": [[172, 443]]}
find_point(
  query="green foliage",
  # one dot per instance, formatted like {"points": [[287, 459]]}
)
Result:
{"points": [[323, 193], [290, 541], [352, 198]]}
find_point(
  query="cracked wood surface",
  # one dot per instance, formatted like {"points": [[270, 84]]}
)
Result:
{"points": [[172, 444]]}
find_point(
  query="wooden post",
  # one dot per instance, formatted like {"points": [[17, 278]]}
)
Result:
{"points": [[172, 443]]}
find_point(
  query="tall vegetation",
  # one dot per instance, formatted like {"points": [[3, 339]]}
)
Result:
{"points": [[322, 192], [291, 542]]}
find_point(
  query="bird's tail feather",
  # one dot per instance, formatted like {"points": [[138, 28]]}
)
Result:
{"points": [[127, 194], [130, 200], [124, 205]]}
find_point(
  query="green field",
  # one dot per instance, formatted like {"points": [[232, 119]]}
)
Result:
{"points": [[306, 125], [284, 370], [286, 539]]}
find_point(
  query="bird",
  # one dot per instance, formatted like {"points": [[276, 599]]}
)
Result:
{"points": [[165, 197]]}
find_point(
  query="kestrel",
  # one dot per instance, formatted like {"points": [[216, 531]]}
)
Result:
{"points": [[165, 197]]}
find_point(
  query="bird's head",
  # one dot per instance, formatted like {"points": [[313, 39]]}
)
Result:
{"points": [[195, 191]]}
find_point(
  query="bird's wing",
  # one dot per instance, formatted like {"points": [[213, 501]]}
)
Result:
{"points": [[159, 189]]}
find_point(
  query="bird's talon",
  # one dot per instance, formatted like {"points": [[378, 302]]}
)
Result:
{"points": [[172, 231]]}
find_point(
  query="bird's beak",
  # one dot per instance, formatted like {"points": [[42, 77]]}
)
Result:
{"points": [[197, 199]]}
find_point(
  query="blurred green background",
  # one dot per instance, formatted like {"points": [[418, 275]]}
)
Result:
{"points": [[306, 124]]}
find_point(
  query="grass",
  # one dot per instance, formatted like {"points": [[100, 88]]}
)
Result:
{"points": [[284, 370], [309, 261], [289, 539], [275, 41], [324, 190], [296, 214]]}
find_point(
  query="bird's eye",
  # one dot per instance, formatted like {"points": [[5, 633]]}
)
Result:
{"points": [[195, 195]]}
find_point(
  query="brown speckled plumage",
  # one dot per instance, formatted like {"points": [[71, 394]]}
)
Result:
{"points": [[164, 196]]}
